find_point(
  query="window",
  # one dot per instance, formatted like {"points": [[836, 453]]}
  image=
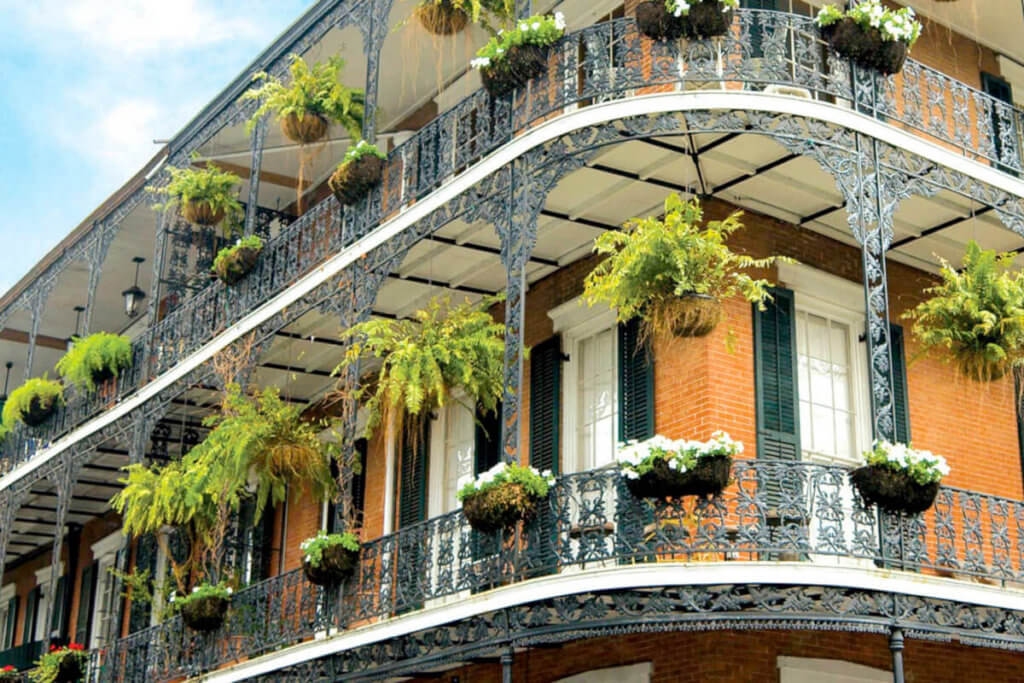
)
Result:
{"points": [[106, 598], [634, 673], [597, 404], [8, 616], [827, 410], [808, 670], [451, 456]]}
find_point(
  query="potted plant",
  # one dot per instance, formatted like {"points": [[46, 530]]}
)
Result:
{"points": [[206, 196], [504, 495], [976, 313], [445, 17], [424, 359], [672, 273], [95, 360], [205, 608], [898, 478], [257, 447], [358, 173], [9, 674], [511, 58], [663, 468], [314, 98], [61, 665], [695, 19], [234, 263], [329, 559], [870, 34], [33, 402]]}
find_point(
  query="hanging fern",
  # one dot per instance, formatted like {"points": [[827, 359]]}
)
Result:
{"points": [[94, 358], [442, 348], [36, 392], [977, 314]]}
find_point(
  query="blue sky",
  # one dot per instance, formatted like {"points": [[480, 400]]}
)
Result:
{"points": [[87, 85]]}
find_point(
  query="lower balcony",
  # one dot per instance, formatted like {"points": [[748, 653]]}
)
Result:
{"points": [[798, 530]]}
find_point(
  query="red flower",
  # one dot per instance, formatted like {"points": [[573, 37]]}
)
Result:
{"points": [[8, 669], [53, 648], [76, 646]]}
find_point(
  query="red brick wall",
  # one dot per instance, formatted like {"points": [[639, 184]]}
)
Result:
{"points": [[746, 657]]}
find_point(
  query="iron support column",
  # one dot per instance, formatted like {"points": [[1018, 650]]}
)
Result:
{"points": [[896, 647], [259, 134], [507, 659]]}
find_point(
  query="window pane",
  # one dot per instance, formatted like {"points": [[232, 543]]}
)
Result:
{"points": [[824, 367], [596, 390]]}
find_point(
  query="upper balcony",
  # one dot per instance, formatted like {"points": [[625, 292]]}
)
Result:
{"points": [[771, 62]]}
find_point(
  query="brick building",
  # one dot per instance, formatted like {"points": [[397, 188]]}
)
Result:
{"points": [[865, 181]]}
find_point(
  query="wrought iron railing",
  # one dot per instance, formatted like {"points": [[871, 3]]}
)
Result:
{"points": [[773, 511], [766, 51]]}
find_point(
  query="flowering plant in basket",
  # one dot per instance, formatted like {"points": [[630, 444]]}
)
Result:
{"points": [[329, 558], [870, 34], [503, 495], [205, 607], [662, 468], [9, 673], [899, 478], [359, 171], [61, 665], [695, 19], [511, 58]]}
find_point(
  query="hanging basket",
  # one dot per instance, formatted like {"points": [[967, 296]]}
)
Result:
{"points": [[441, 19], [205, 614], [656, 22], [708, 478], [865, 46], [200, 213], [304, 129], [694, 315], [237, 263], [499, 507], [336, 564], [102, 376], [38, 412], [70, 669], [521, 64], [707, 19], [893, 490], [354, 179], [979, 368]]}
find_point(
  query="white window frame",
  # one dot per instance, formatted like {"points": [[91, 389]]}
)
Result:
{"points": [[43, 577], [575, 321], [810, 670], [104, 553], [6, 593], [819, 293], [437, 457]]}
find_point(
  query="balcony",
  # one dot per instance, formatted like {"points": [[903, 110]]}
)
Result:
{"points": [[775, 58], [22, 657], [792, 523]]}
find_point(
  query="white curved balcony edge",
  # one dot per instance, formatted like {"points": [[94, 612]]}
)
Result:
{"points": [[549, 130], [630, 577]]}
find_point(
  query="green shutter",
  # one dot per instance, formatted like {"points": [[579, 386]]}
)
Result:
{"points": [[12, 622], [486, 439], [58, 620], [546, 405], [636, 385], [412, 499], [86, 596], [775, 378], [359, 480], [900, 396], [145, 559], [28, 634]]}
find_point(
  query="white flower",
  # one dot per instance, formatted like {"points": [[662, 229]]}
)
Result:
{"points": [[230, 591], [195, 589], [560, 21], [524, 26], [480, 62], [535, 26]]}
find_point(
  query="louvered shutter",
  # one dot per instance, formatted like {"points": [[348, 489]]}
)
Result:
{"points": [[546, 405], [412, 505], [58, 620], [28, 634], [486, 454], [899, 383], [12, 621], [145, 559], [359, 480], [636, 385], [86, 597]]}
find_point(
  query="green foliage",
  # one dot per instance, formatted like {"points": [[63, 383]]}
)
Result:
{"points": [[315, 91], [247, 242], [924, 467], [977, 313], [440, 349], [480, 11], [652, 262], [203, 590], [681, 8], [211, 186], [893, 24], [46, 390], [535, 484], [313, 548], [537, 30], [48, 665], [99, 352], [637, 458], [360, 150], [257, 447]]}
